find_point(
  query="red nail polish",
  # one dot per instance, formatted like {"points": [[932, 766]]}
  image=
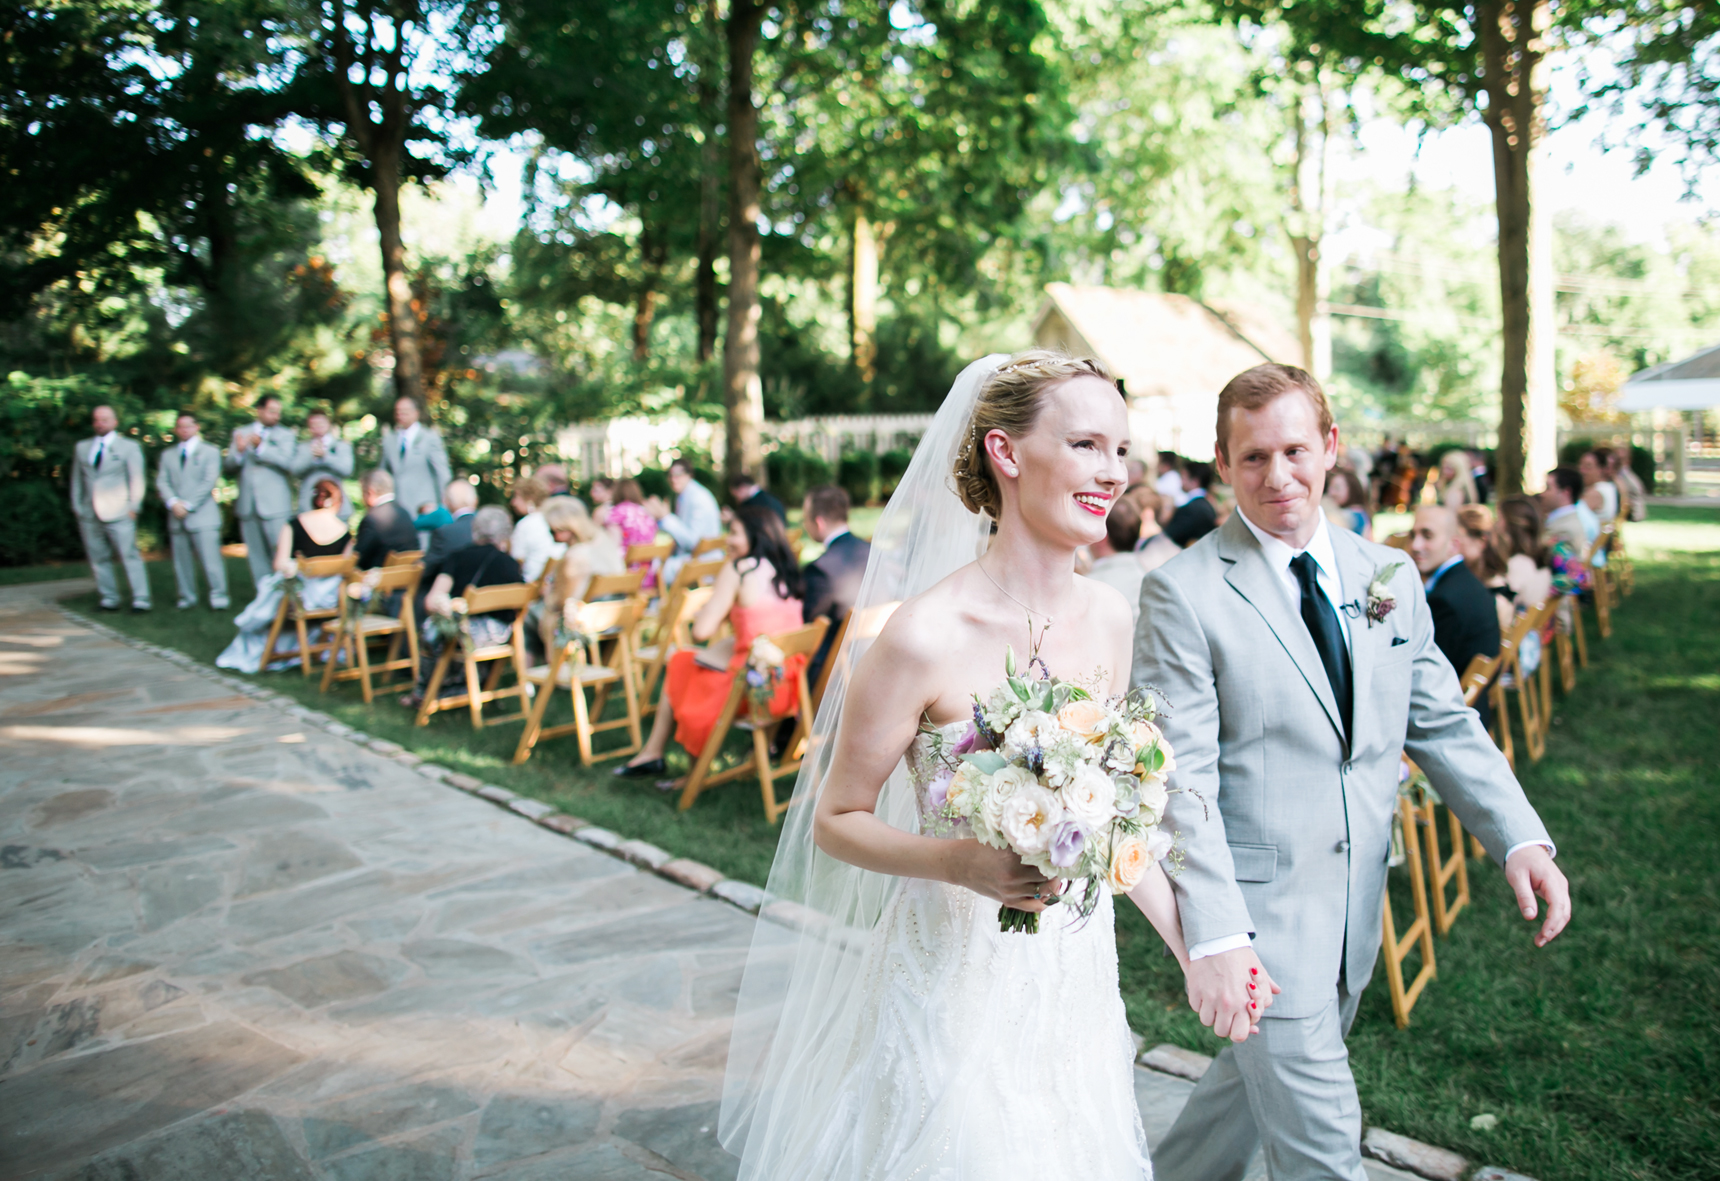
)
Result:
{"points": [[1254, 971], [1252, 1005]]}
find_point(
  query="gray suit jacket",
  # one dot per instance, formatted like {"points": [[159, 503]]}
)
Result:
{"points": [[336, 463], [1289, 837], [265, 473], [422, 474], [114, 490], [194, 483]]}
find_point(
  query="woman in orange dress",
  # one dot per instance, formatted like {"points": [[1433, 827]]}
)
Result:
{"points": [[758, 590]]}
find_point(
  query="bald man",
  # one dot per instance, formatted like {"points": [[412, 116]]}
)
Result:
{"points": [[107, 494], [1465, 621]]}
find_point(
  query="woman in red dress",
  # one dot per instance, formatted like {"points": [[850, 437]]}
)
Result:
{"points": [[758, 591]]}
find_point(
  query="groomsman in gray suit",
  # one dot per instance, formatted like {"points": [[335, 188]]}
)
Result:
{"points": [[107, 494], [186, 481], [413, 454], [262, 458], [1299, 661], [322, 454]]}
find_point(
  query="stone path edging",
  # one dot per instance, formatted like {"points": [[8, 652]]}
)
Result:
{"points": [[1424, 1160]]}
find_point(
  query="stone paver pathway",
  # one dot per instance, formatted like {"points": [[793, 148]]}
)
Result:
{"points": [[233, 945]]}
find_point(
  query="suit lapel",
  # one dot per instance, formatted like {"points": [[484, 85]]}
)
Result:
{"points": [[1250, 576]]}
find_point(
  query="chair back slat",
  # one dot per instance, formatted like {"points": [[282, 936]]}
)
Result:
{"points": [[650, 551], [326, 567], [696, 570], [511, 596], [403, 557], [603, 586], [707, 545], [601, 617], [387, 579], [802, 641], [1476, 678]]}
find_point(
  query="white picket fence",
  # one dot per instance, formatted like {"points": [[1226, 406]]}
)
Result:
{"points": [[624, 446]]}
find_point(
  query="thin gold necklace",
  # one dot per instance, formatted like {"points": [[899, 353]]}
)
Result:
{"points": [[1030, 611]]}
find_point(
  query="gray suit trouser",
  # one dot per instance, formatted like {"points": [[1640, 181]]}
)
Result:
{"points": [[104, 541], [1289, 1087], [261, 535], [192, 548]]}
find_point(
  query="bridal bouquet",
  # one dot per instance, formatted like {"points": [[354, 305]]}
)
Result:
{"points": [[1074, 786]]}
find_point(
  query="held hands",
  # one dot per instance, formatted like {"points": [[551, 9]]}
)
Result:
{"points": [[1001, 875], [656, 507], [1531, 871], [1231, 991]]}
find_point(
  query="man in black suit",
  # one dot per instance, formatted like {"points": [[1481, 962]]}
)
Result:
{"points": [[832, 582], [461, 501], [386, 527], [1196, 517], [744, 491], [1465, 619]]}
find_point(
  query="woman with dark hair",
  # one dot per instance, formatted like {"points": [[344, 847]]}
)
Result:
{"points": [[1346, 502], [1518, 542], [758, 591], [317, 532]]}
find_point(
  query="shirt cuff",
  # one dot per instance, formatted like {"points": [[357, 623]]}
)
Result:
{"points": [[1547, 845], [1219, 946]]}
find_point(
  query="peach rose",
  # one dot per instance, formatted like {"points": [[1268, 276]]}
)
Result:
{"points": [[1130, 860], [1083, 718]]}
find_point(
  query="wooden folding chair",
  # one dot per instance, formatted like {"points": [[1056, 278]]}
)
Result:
{"points": [[403, 557], [708, 545], [359, 628], [1601, 579], [1442, 870], [576, 666], [1512, 679], [303, 620], [1420, 931], [614, 586], [1399, 541], [649, 556], [482, 600], [1572, 644], [796, 540], [862, 630], [671, 635], [800, 642]]}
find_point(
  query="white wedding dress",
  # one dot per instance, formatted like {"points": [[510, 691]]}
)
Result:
{"points": [[886, 1029], [979, 1054]]}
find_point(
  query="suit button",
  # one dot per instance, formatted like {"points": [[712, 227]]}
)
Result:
{"points": [[1341, 847]]}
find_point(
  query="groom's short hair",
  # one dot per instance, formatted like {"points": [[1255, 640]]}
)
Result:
{"points": [[1253, 388]]}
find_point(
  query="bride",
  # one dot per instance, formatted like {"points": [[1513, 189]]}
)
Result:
{"points": [[886, 1027]]}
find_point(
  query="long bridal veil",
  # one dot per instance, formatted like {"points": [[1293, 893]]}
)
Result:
{"points": [[799, 998]]}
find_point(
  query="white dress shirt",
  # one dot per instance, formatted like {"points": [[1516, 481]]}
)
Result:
{"points": [[1169, 485], [1278, 554], [103, 444], [534, 546], [403, 443]]}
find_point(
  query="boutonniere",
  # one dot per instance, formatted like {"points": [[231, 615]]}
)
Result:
{"points": [[1381, 601]]}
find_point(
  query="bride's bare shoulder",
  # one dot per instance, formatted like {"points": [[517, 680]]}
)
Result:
{"points": [[926, 624], [1107, 607]]}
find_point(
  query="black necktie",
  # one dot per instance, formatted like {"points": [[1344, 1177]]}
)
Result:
{"points": [[1322, 624], [182, 455], [101, 450]]}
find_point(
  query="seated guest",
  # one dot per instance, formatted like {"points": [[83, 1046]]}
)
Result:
{"points": [[1346, 502], [1474, 540], [1465, 621], [385, 529], [460, 501], [484, 562], [696, 516], [531, 546], [1154, 549], [1115, 562], [1599, 491], [831, 580], [1169, 484], [1517, 541], [1455, 483], [628, 523], [1631, 492], [1197, 516], [1137, 471], [554, 479], [586, 550], [1570, 527], [429, 518], [602, 494], [317, 532], [758, 591], [744, 491]]}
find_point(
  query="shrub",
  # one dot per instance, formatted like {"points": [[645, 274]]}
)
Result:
{"points": [[793, 470], [1573, 450], [892, 465], [42, 527], [1642, 463], [858, 475]]}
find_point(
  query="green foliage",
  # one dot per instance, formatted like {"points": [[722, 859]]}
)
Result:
{"points": [[857, 472], [793, 470], [892, 466]]}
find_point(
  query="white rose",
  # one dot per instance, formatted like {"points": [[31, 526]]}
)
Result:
{"points": [[1153, 799], [1002, 787], [1159, 844], [966, 789], [1031, 729], [1091, 798], [1027, 818]]}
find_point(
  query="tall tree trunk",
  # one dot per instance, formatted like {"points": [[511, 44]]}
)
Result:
{"points": [[397, 285], [743, 394], [652, 252], [1515, 71], [1307, 225], [710, 204], [863, 298]]}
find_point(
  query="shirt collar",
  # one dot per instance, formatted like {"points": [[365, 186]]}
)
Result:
{"points": [[1438, 574], [190, 445], [104, 440], [1564, 510], [1278, 553], [830, 537], [385, 498]]}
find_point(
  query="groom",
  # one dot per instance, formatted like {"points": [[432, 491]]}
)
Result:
{"points": [[1294, 681]]}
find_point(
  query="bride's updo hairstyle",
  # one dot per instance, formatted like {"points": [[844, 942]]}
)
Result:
{"points": [[1010, 403]]}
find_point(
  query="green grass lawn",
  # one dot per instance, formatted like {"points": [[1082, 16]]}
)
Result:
{"points": [[51, 572], [1598, 1055]]}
